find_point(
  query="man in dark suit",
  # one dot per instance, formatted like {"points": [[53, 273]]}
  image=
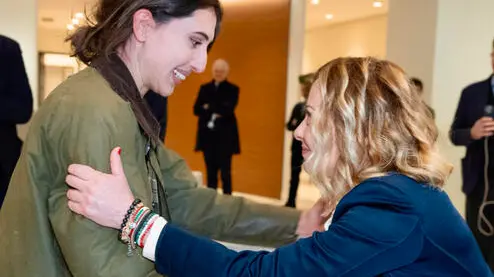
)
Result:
{"points": [[159, 107], [16, 107], [473, 127], [297, 116], [217, 131]]}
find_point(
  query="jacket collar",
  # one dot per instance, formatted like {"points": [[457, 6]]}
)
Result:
{"points": [[220, 83], [116, 73]]}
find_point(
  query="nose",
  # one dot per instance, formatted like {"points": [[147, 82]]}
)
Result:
{"points": [[200, 60], [299, 132]]}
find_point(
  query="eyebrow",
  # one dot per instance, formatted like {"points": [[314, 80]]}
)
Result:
{"points": [[206, 37]]}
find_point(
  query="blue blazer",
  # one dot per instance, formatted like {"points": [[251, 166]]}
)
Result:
{"points": [[387, 226], [470, 108]]}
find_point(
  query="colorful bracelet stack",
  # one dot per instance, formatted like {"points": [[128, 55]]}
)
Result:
{"points": [[136, 225]]}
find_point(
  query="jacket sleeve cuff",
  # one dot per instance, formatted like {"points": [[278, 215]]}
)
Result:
{"points": [[461, 137], [149, 250]]}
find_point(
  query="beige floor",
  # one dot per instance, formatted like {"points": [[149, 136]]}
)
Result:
{"points": [[307, 195]]}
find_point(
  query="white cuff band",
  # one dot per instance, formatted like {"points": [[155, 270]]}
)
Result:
{"points": [[149, 250]]}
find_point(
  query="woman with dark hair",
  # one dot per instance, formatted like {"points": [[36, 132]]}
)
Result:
{"points": [[132, 47], [369, 145]]}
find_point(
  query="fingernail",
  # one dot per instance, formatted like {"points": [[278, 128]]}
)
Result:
{"points": [[119, 151]]}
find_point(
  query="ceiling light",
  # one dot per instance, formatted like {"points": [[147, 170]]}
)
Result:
{"points": [[314, 2], [79, 15], [377, 4], [328, 16], [70, 27]]}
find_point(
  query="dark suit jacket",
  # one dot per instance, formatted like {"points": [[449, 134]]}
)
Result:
{"points": [[222, 101], [471, 107], [386, 226], [16, 102], [159, 107], [298, 114]]}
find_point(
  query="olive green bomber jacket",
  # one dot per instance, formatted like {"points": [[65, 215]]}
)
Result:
{"points": [[81, 122]]}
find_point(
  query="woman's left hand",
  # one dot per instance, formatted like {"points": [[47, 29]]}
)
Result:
{"points": [[102, 198]]}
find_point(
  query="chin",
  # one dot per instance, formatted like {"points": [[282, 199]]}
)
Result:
{"points": [[307, 166], [166, 91]]}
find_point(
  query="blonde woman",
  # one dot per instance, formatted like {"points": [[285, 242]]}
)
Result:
{"points": [[368, 143]]}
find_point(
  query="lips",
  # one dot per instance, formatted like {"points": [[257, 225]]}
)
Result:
{"points": [[179, 75]]}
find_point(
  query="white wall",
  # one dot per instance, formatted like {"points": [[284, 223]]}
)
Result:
{"points": [[295, 51], [411, 38], [448, 46], [463, 44], [364, 37]]}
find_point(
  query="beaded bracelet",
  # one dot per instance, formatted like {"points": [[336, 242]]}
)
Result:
{"points": [[122, 233], [130, 226], [136, 226]]}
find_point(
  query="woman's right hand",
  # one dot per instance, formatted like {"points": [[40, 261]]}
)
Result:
{"points": [[102, 198], [313, 220]]}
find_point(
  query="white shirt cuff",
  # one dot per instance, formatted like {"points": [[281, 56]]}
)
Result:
{"points": [[149, 250], [328, 222]]}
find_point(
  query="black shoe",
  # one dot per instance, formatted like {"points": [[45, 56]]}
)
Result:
{"points": [[290, 204]]}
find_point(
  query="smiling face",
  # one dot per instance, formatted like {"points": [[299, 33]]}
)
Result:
{"points": [[169, 52], [362, 122], [304, 131]]}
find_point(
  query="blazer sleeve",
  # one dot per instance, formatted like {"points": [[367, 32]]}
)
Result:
{"points": [[222, 217], [371, 238], [200, 101], [459, 133], [16, 100]]}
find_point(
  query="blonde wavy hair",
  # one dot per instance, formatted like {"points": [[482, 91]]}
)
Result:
{"points": [[379, 125]]}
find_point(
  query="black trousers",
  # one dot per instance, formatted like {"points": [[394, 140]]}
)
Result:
{"points": [[473, 203], [296, 167], [219, 161]]}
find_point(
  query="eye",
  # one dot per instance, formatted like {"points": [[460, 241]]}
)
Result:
{"points": [[195, 42], [307, 117]]}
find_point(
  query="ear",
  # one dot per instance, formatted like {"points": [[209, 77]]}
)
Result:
{"points": [[143, 23]]}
